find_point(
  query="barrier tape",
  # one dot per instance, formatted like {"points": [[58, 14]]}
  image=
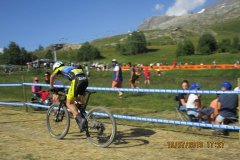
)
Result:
{"points": [[174, 122], [175, 91], [12, 103], [135, 118], [10, 85], [141, 119]]}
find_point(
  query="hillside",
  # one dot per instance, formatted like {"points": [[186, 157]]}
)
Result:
{"points": [[162, 45], [221, 11]]}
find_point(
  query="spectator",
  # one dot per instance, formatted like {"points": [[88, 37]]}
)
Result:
{"points": [[215, 107], [183, 97], [146, 76], [214, 63], [235, 65], [192, 109], [237, 89], [138, 73], [174, 64], [133, 76], [36, 89], [87, 70], [228, 104], [117, 76], [159, 72], [47, 77]]}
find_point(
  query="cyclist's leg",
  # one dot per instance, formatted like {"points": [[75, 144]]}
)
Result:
{"points": [[77, 87], [70, 99], [80, 89]]}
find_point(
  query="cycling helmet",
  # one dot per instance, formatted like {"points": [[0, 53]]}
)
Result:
{"points": [[57, 65], [195, 86], [227, 85]]}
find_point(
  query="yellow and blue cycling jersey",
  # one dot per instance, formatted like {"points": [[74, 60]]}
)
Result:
{"points": [[69, 72], [79, 80]]}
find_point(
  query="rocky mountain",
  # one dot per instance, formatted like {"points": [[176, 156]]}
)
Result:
{"points": [[221, 11]]}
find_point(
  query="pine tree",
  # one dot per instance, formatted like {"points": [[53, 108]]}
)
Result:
{"points": [[207, 44]]}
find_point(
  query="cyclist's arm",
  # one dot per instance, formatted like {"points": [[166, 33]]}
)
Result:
{"points": [[52, 77]]}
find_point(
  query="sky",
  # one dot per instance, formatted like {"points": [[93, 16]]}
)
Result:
{"points": [[31, 23]]}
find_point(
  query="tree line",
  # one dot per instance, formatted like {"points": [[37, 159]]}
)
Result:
{"points": [[207, 44], [135, 43], [16, 55]]}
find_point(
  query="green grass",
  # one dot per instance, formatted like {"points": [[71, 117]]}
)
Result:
{"points": [[132, 103]]}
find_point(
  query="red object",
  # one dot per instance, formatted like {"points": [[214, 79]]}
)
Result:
{"points": [[174, 63], [44, 95]]}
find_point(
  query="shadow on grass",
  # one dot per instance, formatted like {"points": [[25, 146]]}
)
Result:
{"points": [[152, 50], [132, 138]]}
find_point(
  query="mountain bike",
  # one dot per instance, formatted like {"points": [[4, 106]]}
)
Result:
{"points": [[101, 126]]}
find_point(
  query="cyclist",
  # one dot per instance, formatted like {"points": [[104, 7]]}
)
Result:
{"points": [[79, 83]]}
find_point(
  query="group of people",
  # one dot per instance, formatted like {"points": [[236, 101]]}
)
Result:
{"points": [[37, 91], [135, 73], [221, 108], [224, 106]]}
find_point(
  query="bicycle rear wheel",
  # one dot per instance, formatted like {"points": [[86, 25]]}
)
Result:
{"points": [[101, 127], [58, 121]]}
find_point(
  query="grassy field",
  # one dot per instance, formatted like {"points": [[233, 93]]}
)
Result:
{"points": [[131, 103]]}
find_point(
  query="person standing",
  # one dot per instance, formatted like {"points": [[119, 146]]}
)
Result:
{"points": [[146, 76], [87, 70], [117, 77], [133, 76]]}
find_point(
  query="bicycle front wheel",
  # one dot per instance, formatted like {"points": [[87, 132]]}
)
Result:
{"points": [[58, 121], [101, 127]]}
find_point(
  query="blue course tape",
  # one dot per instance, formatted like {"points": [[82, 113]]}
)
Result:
{"points": [[36, 105], [162, 90], [134, 118], [175, 91], [10, 85], [165, 121], [45, 85], [142, 119], [12, 103]]}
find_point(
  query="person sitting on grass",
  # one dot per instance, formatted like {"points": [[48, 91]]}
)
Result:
{"points": [[47, 77], [228, 104], [183, 97], [192, 109], [195, 109], [36, 89]]}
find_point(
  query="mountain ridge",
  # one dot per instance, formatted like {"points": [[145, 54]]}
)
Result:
{"points": [[221, 11]]}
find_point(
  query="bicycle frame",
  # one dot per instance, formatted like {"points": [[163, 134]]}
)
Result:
{"points": [[79, 106]]}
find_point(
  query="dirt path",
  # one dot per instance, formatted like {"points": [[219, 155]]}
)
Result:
{"points": [[24, 136]]}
